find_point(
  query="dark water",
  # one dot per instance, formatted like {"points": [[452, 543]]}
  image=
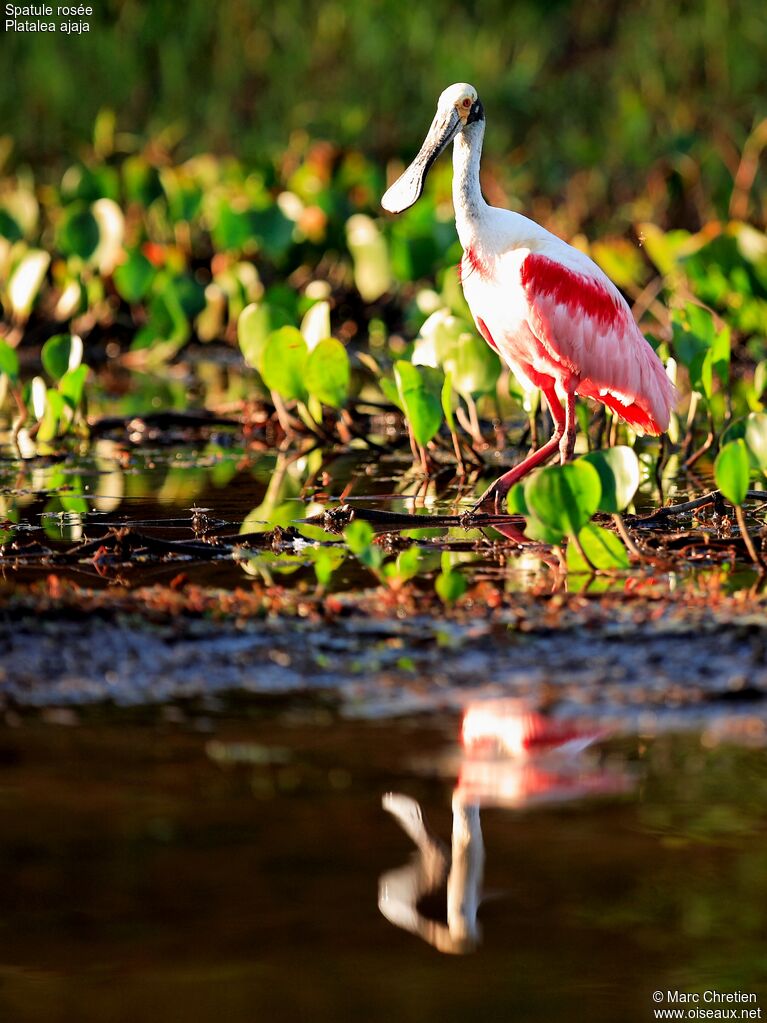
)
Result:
{"points": [[175, 866]]}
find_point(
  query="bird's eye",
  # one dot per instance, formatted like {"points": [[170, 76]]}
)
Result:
{"points": [[467, 102]]}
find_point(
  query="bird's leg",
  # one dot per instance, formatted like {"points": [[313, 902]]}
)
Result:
{"points": [[496, 492], [567, 441]]}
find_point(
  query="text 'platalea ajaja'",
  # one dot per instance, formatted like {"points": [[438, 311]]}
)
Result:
{"points": [[548, 310]]}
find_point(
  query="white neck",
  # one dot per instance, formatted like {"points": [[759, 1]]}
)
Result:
{"points": [[470, 206]]}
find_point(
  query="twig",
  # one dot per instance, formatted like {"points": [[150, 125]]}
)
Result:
{"points": [[624, 534], [713, 497], [710, 437], [747, 538]]}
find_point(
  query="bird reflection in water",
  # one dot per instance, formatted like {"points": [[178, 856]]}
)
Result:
{"points": [[512, 757]]}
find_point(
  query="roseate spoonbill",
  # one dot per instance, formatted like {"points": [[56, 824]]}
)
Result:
{"points": [[555, 318]]}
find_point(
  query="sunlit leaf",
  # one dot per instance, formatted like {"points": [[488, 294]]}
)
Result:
{"points": [[621, 261], [9, 360], [62, 353], [372, 272], [72, 301], [446, 398], [256, 323], [327, 373], [315, 325], [359, 538], [445, 342], [420, 392], [702, 347], [515, 500], [51, 419], [756, 438], [391, 392], [72, 384], [26, 281], [604, 550], [663, 248], [284, 363], [564, 497], [619, 475], [732, 470], [111, 225]]}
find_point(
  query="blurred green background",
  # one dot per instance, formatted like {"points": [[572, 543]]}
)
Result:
{"points": [[611, 99]]}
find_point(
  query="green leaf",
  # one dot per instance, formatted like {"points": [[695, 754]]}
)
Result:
{"points": [[60, 354], [315, 326], [702, 348], [515, 500], [664, 249], [731, 471], [133, 278], [720, 354], [284, 363], [78, 233], [73, 502], [603, 549], [326, 560], [564, 497], [273, 230], [391, 392], [372, 273], [760, 379], [9, 228], [232, 229], [256, 323], [541, 533], [327, 373], [619, 474], [51, 419], [734, 431], [474, 366], [26, 280], [9, 361], [71, 386], [420, 392], [190, 294], [447, 342], [446, 399], [359, 537], [407, 564], [756, 438], [450, 586]]}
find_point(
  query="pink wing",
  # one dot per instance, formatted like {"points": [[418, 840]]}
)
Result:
{"points": [[586, 326]]}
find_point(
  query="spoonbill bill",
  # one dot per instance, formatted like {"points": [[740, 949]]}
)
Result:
{"points": [[548, 310]]}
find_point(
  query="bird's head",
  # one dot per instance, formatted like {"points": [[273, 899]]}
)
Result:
{"points": [[457, 107]]}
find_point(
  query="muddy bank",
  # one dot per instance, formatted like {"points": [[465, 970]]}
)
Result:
{"points": [[683, 670]]}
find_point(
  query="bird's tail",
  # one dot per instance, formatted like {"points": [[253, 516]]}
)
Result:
{"points": [[648, 401]]}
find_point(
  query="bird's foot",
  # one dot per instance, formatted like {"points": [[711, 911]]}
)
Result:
{"points": [[493, 501]]}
